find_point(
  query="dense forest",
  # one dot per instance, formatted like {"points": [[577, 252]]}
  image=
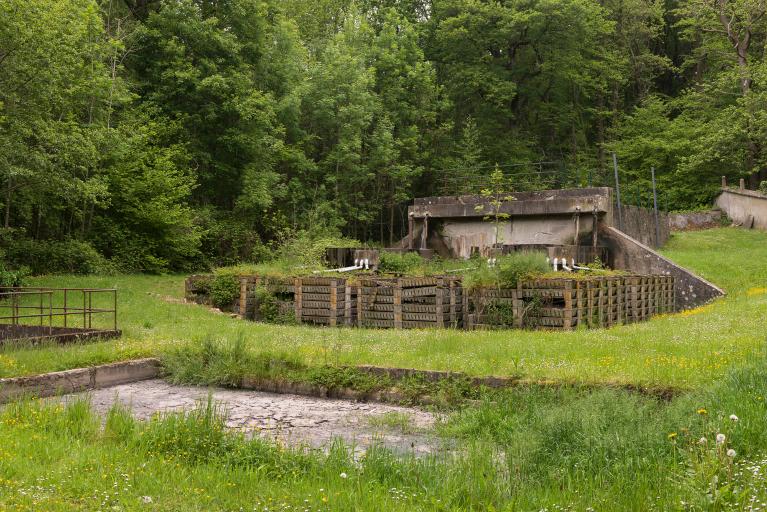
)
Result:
{"points": [[153, 135]]}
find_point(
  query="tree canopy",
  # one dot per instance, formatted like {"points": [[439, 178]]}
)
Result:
{"points": [[173, 134]]}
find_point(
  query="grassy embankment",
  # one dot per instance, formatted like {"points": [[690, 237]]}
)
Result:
{"points": [[683, 350], [522, 449]]}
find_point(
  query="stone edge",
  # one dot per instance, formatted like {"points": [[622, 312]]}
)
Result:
{"points": [[79, 379]]}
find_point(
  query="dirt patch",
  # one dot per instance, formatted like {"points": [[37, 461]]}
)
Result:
{"points": [[289, 419]]}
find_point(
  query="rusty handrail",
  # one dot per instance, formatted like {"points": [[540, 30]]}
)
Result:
{"points": [[11, 298]]}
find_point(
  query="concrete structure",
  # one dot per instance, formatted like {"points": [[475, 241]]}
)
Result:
{"points": [[579, 224], [560, 220], [695, 220], [746, 208], [629, 254]]}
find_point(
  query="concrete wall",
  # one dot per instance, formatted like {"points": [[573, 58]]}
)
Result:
{"points": [[629, 254], [745, 207], [462, 234], [639, 224], [695, 220], [79, 379]]}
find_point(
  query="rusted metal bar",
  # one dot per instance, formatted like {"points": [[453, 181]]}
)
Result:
{"points": [[50, 313], [114, 297]]}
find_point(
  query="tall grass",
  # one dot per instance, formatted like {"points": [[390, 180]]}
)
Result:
{"points": [[522, 449]]}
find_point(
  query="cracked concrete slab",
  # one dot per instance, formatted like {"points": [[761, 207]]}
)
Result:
{"points": [[289, 419]]}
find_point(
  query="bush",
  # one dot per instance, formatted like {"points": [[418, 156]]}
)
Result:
{"points": [[12, 278], [508, 270], [268, 309], [763, 187], [224, 290], [399, 263], [56, 257]]}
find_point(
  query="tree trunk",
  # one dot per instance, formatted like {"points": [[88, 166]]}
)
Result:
{"points": [[391, 225], [8, 197]]}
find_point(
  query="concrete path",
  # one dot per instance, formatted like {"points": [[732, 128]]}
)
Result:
{"points": [[290, 419]]}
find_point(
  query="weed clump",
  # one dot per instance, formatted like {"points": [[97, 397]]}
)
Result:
{"points": [[224, 289]]}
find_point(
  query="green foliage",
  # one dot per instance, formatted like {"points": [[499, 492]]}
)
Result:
{"points": [[508, 270], [177, 135], [268, 308], [399, 263], [763, 187], [13, 278], [224, 289], [55, 257]]}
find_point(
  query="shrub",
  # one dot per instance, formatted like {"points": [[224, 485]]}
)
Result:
{"points": [[508, 270], [519, 266], [268, 309], [224, 290], [11, 278], [56, 257], [399, 263], [763, 187]]}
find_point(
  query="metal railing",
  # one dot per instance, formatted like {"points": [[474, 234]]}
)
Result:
{"points": [[55, 307]]}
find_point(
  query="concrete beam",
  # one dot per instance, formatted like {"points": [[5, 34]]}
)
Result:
{"points": [[546, 202]]}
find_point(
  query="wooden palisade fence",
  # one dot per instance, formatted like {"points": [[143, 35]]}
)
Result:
{"points": [[441, 302], [566, 303]]}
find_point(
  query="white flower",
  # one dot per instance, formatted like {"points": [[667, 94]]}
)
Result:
{"points": [[731, 453], [720, 439], [343, 475], [146, 499], [733, 417], [702, 441]]}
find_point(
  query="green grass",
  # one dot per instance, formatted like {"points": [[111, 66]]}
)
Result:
{"points": [[683, 350], [527, 448], [522, 449]]}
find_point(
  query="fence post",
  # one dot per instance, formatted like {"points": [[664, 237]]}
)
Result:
{"points": [[567, 314], [438, 301], [618, 192], [333, 303], [655, 208], [397, 303]]}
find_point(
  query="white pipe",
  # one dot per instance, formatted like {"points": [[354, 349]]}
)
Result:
{"points": [[556, 264], [564, 265]]}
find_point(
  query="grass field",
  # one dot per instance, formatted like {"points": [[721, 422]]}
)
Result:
{"points": [[527, 448], [683, 350]]}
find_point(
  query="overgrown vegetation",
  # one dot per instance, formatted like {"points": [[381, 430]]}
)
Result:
{"points": [[178, 135], [224, 289], [507, 271], [529, 447], [682, 350], [524, 448]]}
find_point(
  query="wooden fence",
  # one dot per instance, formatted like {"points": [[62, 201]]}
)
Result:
{"points": [[410, 302], [311, 300], [565, 303], [442, 302]]}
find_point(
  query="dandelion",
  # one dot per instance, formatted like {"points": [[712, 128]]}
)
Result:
{"points": [[731, 453], [702, 441], [146, 499], [702, 411], [720, 439], [733, 417], [344, 475], [672, 436]]}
